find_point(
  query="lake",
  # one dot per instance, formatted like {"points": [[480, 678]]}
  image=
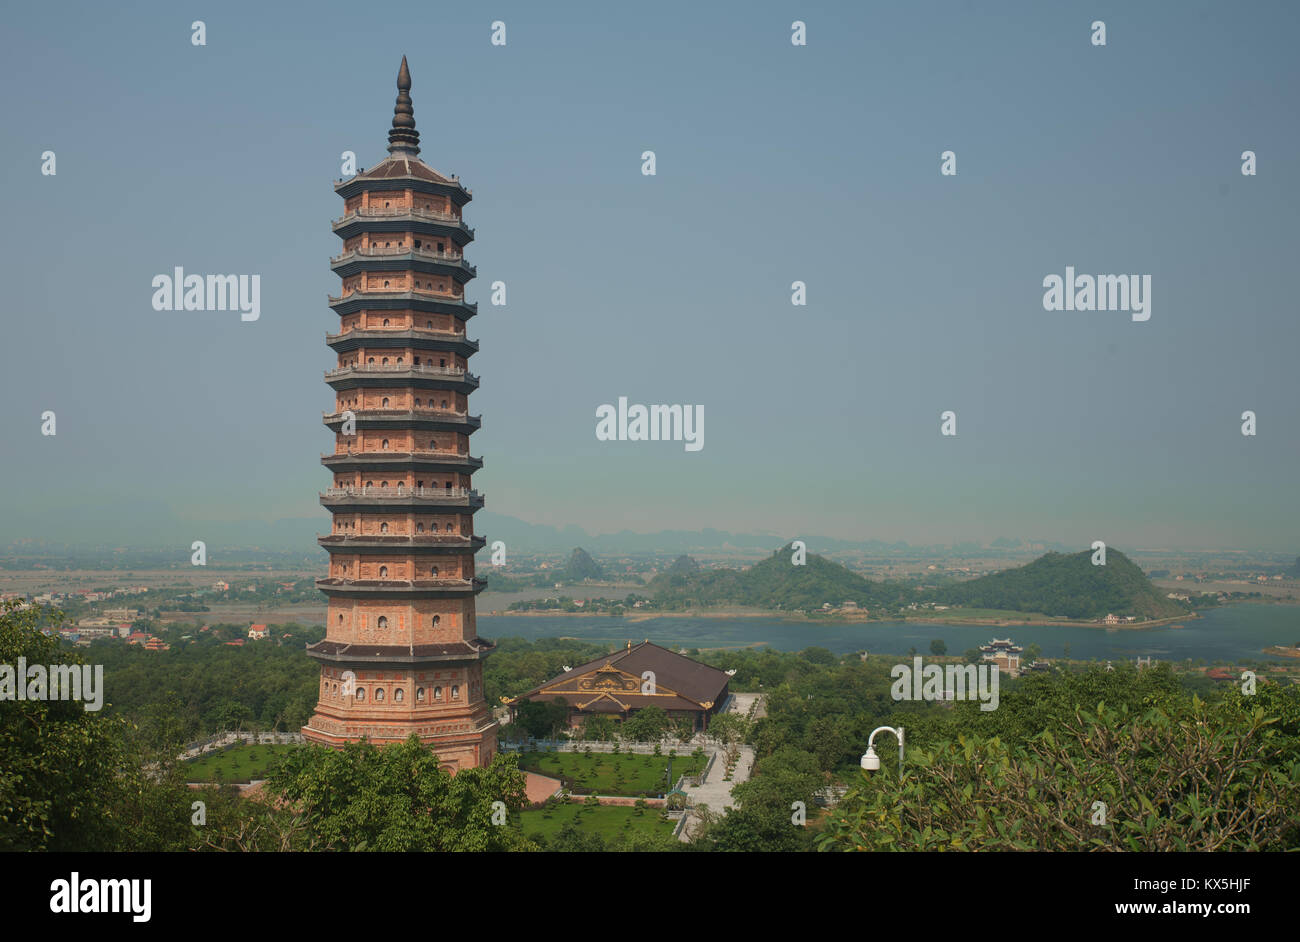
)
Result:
{"points": [[1228, 633]]}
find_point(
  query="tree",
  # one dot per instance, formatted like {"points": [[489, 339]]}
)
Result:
{"points": [[1033, 652], [648, 724], [971, 656], [730, 731], [599, 727], [541, 718], [1196, 779], [72, 779], [938, 648], [399, 798]]}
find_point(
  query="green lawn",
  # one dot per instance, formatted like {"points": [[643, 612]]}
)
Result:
{"points": [[609, 821], [604, 773], [240, 764]]}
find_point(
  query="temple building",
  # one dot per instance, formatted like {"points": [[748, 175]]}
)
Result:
{"points": [[401, 653], [1004, 654], [623, 682]]}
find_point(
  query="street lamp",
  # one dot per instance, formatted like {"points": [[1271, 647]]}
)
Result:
{"points": [[871, 761]]}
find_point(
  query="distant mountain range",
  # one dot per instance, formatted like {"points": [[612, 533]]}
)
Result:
{"points": [[151, 524]]}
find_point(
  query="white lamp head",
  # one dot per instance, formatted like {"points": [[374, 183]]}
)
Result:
{"points": [[871, 761]]}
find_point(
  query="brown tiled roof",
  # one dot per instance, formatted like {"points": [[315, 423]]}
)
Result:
{"points": [[696, 682], [343, 649], [594, 703], [399, 166]]}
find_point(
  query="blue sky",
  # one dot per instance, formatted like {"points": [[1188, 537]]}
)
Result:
{"points": [[775, 164]]}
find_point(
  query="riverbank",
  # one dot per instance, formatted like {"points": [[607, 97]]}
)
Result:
{"points": [[929, 618], [1280, 650]]}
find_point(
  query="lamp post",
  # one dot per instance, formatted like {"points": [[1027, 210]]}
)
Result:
{"points": [[871, 761]]}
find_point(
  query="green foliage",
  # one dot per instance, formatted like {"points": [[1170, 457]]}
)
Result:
{"points": [[1208, 780], [1068, 586], [542, 718], [763, 819], [72, 779], [399, 798], [599, 728], [775, 583], [517, 666], [582, 567], [648, 724], [938, 648], [176, 696]]}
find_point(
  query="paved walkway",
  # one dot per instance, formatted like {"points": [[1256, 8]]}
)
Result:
{"points": [[716, 789], [742, 703], [541, 787]]}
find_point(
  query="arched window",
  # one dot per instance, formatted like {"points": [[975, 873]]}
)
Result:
{"points": [[419, 528], [385, 284], [399, 361], [449, 528], [434, 571], [383, 446], [419, 694], [437, 693], [361, 695], [383, 619], [399, 694], [385, 363], [436, 619], [340, 618], [384, 485], [433, 445], [383, 528], [385, 322], [455, 691], [370, 361], [379, 694], [383, 574], [384, 402], [444, 403], [429, 325]]}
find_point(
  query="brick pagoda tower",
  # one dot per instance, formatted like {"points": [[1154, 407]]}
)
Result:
{"points": [[401, 583]]}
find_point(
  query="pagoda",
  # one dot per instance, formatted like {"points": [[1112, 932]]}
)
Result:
{"points": [[401, 653]]}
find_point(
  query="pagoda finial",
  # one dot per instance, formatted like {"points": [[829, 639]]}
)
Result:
{"points": [[404, 138]]}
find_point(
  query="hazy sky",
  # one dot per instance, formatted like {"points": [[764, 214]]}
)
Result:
{"points": [[775, 163]]}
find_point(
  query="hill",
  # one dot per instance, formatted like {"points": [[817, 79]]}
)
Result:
{"points": [[582, 567], [683, 566], [1068, 586], [776, 583]]}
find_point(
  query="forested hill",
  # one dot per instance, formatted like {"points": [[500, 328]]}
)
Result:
{"points": [[581, 567], [777, 583], [1068, 585]]}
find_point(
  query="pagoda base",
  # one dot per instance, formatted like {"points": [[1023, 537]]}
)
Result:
{"points": [[459, 749]]}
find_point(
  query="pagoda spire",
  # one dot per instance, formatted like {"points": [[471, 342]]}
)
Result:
{"points": [[404, 138]]}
